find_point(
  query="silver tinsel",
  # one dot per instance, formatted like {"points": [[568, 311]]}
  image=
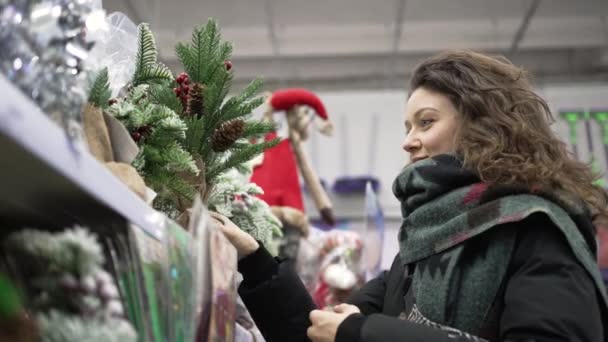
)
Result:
{"points": [[43, 47]]}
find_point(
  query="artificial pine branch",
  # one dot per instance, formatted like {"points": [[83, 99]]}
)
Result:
{"points": [[239, 157], [146, 49], [244, 103], [147, 69], [169, 185], [100, 93], [158, 113], [174, 127], [216, 63], [177, 160], [162, 94], [204, 42], [169, 130], [258, 128], [210, 43], [151, 74], [193, 127], [185, 56], [215, 93], [194, 135], [242, 110]]}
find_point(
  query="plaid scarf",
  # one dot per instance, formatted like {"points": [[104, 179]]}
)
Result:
{"points": [[443, 206]]}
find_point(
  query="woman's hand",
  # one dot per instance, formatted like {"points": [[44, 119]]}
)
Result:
{"points": [[325, 323], [244, 243]]}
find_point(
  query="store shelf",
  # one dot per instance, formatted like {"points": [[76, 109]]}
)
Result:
{"points": [[45, 177]]}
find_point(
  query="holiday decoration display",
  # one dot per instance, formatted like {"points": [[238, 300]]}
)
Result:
{"points": [[219, 128], [235, 197], [188, 131], [159, 133], [43, 50], [180, 134], [67, 290], [331, 265], [286, 158], [107, 138]]}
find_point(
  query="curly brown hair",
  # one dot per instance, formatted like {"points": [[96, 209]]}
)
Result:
{"points": [[505, 134]]}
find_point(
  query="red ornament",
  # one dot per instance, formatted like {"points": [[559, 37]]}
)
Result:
{"points": [[228, 65]]}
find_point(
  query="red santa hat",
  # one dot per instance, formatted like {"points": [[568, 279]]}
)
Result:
{"points": [[286, 99]]}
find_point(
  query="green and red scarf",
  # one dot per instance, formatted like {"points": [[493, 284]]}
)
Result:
{"points": [[443, 206]]}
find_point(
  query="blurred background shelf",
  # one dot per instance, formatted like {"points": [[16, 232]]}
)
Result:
{"points": [[47, 179]]}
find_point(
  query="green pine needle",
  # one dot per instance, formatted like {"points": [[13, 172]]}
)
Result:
{"points": [[239, 157], [176, 160], [258, 128], [163, 95], [242, 110], [169, 185], [185, 57], [100, 90], [151, 74], [194, 134], [146, 49], [158, 113], [147, 68], [243, 104], [217, 61], [215, 93]]}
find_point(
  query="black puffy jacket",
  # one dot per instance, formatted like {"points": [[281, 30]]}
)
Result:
{"points": [[546, 296]]}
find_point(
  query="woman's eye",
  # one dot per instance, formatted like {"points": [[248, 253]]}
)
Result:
{"points": [[425, 122]]}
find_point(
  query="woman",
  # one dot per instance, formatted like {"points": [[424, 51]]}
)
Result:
{"points": [[496, 243]]}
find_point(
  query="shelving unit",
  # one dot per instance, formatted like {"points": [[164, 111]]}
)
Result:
{"points": [[46, 177]]}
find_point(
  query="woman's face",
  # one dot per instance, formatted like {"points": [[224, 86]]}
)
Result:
{"points": [[431, 122]]}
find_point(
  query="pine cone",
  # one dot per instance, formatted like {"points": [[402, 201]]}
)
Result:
{"points": [[195, 100], [225, 135]]}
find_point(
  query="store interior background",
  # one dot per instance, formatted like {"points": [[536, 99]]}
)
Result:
{"points": [[358, 54]]}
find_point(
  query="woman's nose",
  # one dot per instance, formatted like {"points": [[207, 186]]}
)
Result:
{"points": [[411, 143]]}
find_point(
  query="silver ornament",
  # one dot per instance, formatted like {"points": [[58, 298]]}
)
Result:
{"points": [[43, 50]]}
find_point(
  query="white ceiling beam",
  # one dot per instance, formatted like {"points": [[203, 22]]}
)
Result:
{"points": [[523, 27], [572, 32], [399, 15], [270, 21], [397, 32]]}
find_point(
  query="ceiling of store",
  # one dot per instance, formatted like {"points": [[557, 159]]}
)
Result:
{"points": [[363, 44]]}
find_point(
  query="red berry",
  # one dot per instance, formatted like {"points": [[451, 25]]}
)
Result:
{"points": [[112, 101], [144, 130], [181, 78], [136, 136], [228, 65], [177, 91], [185, 88]]}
